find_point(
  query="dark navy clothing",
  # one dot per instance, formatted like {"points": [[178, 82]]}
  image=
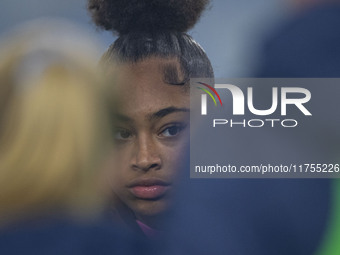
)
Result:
{"points": [[62, 236]]}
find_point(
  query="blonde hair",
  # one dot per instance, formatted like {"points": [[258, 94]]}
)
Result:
{"points": [[54, 127]]}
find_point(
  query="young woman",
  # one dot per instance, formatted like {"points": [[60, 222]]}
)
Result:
{"points": [[154, 59]]}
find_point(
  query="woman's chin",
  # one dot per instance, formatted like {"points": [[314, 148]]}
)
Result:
{"points": [[151, 208]]}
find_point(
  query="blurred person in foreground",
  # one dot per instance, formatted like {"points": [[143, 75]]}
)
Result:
{"points": [[55, 145], [308, 46]]}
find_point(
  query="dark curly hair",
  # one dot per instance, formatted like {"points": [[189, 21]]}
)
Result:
{"points": [[153, 28]]}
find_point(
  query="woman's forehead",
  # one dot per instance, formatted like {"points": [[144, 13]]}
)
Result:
{"points": [[142, 90], [145, 80], [167, 70], [154, 98]]}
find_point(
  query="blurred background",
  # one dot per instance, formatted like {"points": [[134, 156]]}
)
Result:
{"points": [[234, 33], [230, 32]]}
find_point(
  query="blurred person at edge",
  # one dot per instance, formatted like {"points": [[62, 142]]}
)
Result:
{"points": [[274, 216], [308, 46], [55, 145]]}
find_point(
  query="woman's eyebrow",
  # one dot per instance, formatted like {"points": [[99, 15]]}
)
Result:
{"points": [[163, 112], [122, 117]]}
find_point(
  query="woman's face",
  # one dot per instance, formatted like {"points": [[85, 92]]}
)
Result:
{"points": [[151, 134]]}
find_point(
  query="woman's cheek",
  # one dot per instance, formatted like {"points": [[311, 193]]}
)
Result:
{"points": [[175, 157]]}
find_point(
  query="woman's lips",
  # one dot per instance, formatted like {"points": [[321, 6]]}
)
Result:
{"points": [[148, 188], [149, 192]]}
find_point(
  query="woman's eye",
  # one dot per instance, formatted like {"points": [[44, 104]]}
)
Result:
{"points": [[171, 131], [122, 134]]}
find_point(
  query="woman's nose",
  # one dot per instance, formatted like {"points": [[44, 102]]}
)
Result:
{"points": [[147, 155]]}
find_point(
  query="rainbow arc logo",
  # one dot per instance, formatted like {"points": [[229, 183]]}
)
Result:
{"points": [[209, 93]]}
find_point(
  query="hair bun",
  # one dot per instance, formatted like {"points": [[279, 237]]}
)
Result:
{"points": [[124, 16]]}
